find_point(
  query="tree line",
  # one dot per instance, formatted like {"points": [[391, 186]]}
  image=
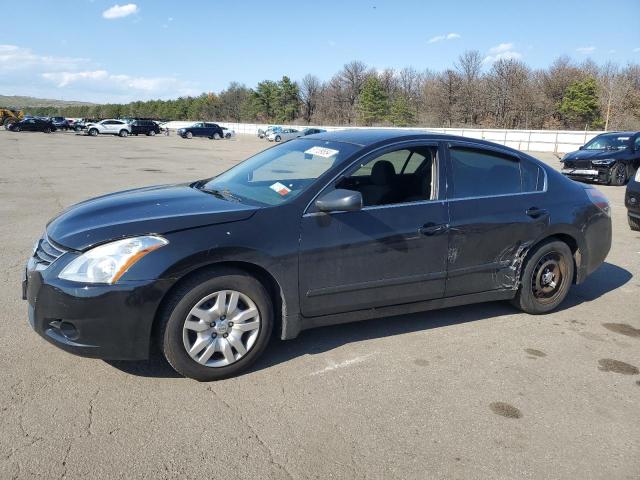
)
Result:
{"points": [[504, 94]]}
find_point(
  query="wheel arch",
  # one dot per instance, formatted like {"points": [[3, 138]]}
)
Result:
{"points": [[571, 241], [260, 273]]}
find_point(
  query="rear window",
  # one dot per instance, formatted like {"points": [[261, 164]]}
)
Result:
{"points": [[481, 173]]}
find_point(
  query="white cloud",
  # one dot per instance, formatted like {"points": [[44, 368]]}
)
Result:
{"points": [[440, 38], [585, 50], [502, 51], [120, 11], [25, 72], [636, 50]]}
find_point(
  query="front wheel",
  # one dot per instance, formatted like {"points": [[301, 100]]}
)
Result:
{"points": [[278, 138], [216, 136], [618, 175], [123, 133], [227, 136], [93, 132], [216, 325], [47, 130], [17, 129], [546, 278], [188, 135], [152, 133], [634, 223]]}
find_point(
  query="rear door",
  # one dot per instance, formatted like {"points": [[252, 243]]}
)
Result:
{"points": [[497, 208]]}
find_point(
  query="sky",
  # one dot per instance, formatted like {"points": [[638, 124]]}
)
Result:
{"points": [[102, 51]]}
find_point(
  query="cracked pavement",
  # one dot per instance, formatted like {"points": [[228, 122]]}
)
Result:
{"points": [[403, 397]]}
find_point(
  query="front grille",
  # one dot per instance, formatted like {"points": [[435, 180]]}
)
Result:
{"points": [[46, 253]]}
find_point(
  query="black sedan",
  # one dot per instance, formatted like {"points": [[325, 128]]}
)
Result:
{"points": [[33, 125], [202, 129], [632, 202], [324, 229], [609, 158]]}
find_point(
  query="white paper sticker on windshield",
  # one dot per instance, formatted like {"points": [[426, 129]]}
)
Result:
{"points": [[623, 138], [280, 188], [322, 152]]}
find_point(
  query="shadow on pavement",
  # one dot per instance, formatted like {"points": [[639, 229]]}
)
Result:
{"points": [[311, 342]]}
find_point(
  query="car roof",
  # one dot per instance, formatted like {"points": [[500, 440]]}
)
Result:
{"points": [[627, 133], [368, 137]]}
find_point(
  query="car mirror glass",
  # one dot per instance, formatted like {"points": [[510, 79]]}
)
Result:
{"points": [[340, 200]]}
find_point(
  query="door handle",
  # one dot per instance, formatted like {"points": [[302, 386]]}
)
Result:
{"points": [[535, 212], [430, 229]]}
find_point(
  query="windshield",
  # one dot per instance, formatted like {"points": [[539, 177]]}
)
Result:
{"points": [[279, 174], [610, 141]]}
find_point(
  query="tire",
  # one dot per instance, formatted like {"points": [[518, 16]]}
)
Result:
{"points": [[16, 129], [534, 296], [47, 130], [188, 135], [634, 223], [278, 138], [175, 338], [152, 133], [216, 136], [227, 136], [123, 133], [93, 132], [618, 175]]}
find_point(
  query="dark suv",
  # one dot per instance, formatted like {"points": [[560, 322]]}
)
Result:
{"points": [[144, 127], [610, 158], [632, 201]]}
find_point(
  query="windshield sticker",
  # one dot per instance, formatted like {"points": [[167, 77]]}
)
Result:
{"points": [[322, 152], [280, 188], [623, 138]]}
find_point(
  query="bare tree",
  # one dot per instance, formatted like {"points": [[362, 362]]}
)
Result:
{"points": [[469, 69], [310, 88]]}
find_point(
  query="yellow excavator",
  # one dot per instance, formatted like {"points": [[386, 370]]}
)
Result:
{"points": [[9, 116]]}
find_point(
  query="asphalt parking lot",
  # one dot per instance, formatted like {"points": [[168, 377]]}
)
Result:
{"points": [[478, 391]]}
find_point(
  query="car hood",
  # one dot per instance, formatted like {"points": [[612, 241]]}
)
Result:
{"points": [[159, 210], [592, 154]]}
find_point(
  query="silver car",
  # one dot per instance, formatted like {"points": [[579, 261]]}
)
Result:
{"points": [[284, 135]]}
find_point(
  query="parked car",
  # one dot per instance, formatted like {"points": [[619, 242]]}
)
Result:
{"points": [[32, 125], [632, 201], [325, 229], [61, 123], [270, 129], [82, 123], [144, 127], [109, 127], [610, 158], [228, 133], [284, 135], [312, 131], [202, 129]]}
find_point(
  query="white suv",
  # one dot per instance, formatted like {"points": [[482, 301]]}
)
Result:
{"points": [[111, 126]]}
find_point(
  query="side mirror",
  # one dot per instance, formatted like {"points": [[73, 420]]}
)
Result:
{"points": [[581, 147], [340, 200]]}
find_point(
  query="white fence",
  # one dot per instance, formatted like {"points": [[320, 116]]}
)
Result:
{"points": [[557, 141]]}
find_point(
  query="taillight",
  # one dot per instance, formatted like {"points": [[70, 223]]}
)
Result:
{"points": [[598, 199]]}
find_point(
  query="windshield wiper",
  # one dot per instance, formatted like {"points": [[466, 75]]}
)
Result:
{"points": [[224, 194]]}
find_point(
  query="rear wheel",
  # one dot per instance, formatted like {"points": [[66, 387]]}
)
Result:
{"points": [[17, 128], [47, 130], [123, 133], [278, 138], [618, 175], [216, 136], [152, 133], [216, 325], [634, 223], [227, 136], [546, 278]]}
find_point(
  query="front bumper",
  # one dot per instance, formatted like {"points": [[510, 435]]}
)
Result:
{"points": [[632, 199], [600, 175], [100, 321]]}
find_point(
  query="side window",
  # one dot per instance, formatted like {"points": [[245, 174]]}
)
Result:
{"points": [[387, 179], [481, 173], [532, 177], [637, 143]]}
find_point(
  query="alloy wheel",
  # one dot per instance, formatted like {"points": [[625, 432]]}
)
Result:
{"points": [[221, 328]]}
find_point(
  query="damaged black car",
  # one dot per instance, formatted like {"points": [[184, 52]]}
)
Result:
{"points": [[324, 229], [609, 158]]}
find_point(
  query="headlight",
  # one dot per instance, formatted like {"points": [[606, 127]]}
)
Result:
{"points": [[107, 263], [605, 161]]}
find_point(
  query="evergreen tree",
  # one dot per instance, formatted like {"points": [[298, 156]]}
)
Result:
{"points": [[579, 104], [373, 102], [401, 114]]}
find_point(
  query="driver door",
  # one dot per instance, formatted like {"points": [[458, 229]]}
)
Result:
{"points": [[393, 250]]}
